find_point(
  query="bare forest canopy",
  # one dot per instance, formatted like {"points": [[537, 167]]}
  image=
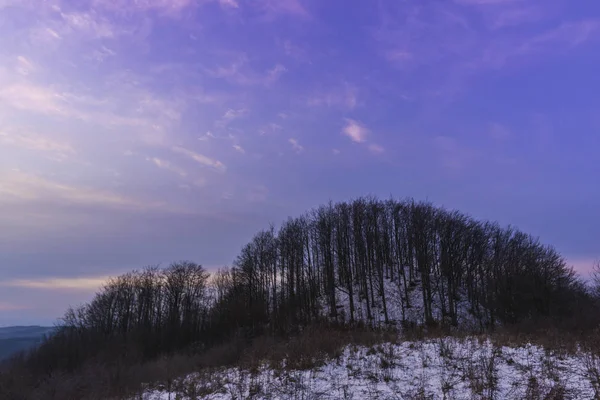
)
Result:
{"points": [[367, 262]]}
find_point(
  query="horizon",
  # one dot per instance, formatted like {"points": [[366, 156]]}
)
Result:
{"points": [[143, 133]]}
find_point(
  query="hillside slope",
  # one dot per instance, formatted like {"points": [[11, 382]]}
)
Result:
{"points": [[447, 368]]}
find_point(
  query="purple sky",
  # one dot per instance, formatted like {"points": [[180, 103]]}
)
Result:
{"points": [[137, 132]]}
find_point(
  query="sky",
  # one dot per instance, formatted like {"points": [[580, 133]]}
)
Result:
{"points": [[141, 132]]}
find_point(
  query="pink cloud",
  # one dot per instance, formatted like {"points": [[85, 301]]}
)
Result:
{"points": [[11, 307], [356, 131]]}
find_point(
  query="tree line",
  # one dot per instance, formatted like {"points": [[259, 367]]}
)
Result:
{"points": [[337, 263]]}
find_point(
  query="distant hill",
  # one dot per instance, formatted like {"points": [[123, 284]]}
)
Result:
{"points": [[17, 338]]}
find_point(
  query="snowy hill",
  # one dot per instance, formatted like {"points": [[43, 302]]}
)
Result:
{"points": [[447, 368]]}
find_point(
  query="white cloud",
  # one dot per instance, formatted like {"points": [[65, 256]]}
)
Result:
{"points": [[24, 96], [89, 24], [295, 145], [239, 72], [167, 166], [230, 115], [24, 66], [275, 73], [355, 131], [345, 97], [200, 158], [37, 143], [239, 148]]}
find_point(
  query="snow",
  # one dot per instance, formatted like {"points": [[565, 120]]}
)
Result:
{"points": [[446, 368], [394, 292]]}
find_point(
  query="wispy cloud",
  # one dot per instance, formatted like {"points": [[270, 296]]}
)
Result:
{"points": [[37, 143], [166, 7], [376, 149], [24, 66], [278, 8], [200, 158], [4, 306], [241, 73], [344, 97], [295, 145], [229, 3], [88, 23], [19, 186], [239, 148], [167, 166], [24, 96], [356, 131], [71, 283]]}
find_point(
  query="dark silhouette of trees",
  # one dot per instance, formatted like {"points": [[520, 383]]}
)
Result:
{"points": [[364, 262], [338, 262]]}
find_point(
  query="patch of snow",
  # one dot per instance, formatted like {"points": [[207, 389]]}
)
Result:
{"points": [[447, 368]]}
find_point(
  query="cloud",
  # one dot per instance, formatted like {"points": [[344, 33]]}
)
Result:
{"points": [[239, 148], [376, 149], [167, 166], [37, 143], [295, 145], [24, 96], [582, 265], [275, 73], [345, 97], [167, 7], [4, 306], [572, 34], [229, 115], [240, 73], [234, 114], [24, 66], [200, 159], [19, 186], [229, 3], [278, 8], [89, 24], [74, 283], [355, 131], [102, 54]]}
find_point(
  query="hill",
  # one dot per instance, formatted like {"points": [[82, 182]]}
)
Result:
{"points": [[18, 338], [366, 266]]}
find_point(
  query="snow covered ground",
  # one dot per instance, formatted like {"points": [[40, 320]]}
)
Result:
{"points": [[447, 368], [394, 292]]}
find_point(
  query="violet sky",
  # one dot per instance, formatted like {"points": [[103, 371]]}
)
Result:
{"points": [[139, 132]]}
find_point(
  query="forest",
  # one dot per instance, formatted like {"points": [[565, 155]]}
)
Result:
{"points": [[364, 264]]}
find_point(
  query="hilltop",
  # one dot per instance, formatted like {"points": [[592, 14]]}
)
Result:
{"points": [[371, 267]]}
